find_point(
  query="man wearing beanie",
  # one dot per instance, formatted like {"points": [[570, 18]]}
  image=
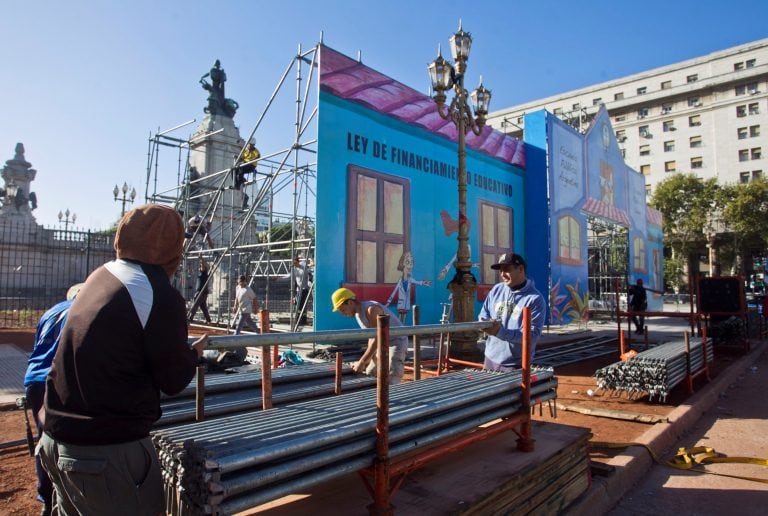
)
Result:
{"points": [[124, 341]]}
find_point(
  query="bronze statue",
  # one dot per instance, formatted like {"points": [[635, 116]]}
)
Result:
{"points": [[218, 104]]}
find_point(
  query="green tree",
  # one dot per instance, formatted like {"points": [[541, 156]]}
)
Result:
{"points": [[687, 204], [746, 215]]}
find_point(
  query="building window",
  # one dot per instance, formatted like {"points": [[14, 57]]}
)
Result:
{"points": [[694, 102], [694, 121], [642, 112], [621, 135], [668, 125], [743, 89], [638, 254], [669, 166], [645, 170], [642, 90], [597, 101], [620, 118], [738, 66], [666, 108], [618, 96], [576, 106], [378, 231], [741, 111], [666, 85], [520, 120], [558, 111], [744, 155], [695, 142], [692, 78], [623, 153], [669, 146], [742, 133], [496, 230], [697, 162], [569, 241], [750, 63], [647, 190], [643, 131], [754, 109], [645, 150], [743, 177], [754, 130], [757, 174], [756, 153]]}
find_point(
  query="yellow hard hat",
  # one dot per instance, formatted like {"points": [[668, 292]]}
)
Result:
{"points": [[340, 296]]}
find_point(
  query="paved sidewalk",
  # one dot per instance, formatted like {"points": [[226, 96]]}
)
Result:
{"points": [[723, 401], [736, 424]]}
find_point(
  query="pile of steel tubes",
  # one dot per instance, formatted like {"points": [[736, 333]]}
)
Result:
{"points": [[238, 462], [238, 392], [656, 371]]}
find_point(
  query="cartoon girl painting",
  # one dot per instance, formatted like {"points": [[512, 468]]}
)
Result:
{"points": [[405, 285]]}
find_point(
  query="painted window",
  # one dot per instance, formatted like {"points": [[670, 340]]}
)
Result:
{"points": [[378, 225], [638, 255], [569, 240], [497, 234]]}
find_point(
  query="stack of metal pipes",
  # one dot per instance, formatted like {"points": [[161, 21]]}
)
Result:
{"points": [[238, 462], [656, 371], [238, 392]]}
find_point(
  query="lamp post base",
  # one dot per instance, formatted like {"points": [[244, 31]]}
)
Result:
{"points": [[463, 288]]}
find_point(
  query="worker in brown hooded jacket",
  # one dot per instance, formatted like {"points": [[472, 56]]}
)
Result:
{"points": [[125, 341]]}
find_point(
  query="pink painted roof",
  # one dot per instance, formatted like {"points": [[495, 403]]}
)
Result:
{"points": [[653, 216], [605, 210], [352, 80]]}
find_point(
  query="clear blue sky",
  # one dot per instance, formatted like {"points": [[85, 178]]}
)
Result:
{"points": [[85, 82]]}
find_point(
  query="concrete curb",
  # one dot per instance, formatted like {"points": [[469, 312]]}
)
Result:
{"points": [[631, 465]]}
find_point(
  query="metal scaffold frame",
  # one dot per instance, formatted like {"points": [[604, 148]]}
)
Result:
{"points": [[248, 238]]}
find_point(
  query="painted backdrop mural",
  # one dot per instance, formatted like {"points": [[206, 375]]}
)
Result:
{"points": [[589, 179], [387, 197]]}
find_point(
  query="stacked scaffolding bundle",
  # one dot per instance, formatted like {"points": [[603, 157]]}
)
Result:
{"points": [[238, 462], [658, 370], [231, 393]]}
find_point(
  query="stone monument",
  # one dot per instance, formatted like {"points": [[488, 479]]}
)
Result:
{"points": [[16, 196], [214, 147]]}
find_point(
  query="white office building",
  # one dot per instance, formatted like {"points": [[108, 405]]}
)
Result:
{"points": [[707, 116]]}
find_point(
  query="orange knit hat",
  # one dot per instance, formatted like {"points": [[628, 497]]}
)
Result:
{"points": [[151, 234]]}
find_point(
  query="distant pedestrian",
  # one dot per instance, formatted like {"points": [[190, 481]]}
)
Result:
{"points": [[38, 366], [245, 305], [302, 278], [638, 302], [201, 292]]}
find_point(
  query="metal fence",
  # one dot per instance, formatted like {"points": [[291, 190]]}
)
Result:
{"points": [[38, 265]]}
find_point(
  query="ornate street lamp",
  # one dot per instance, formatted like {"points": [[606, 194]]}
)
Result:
{"points": [[67, 218], [444, 77], [125, 198]]}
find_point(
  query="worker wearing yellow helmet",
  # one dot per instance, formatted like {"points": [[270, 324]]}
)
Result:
{"points": [[346, 302]]}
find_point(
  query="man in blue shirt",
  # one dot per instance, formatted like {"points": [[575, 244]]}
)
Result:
{"points": [[38, 365], [504, 306]]}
